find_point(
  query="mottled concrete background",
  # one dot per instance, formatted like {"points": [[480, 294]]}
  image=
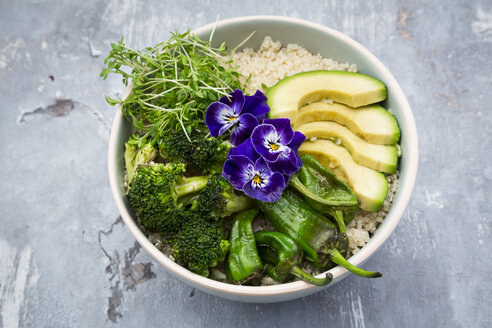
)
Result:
{"points": [[66, 258]]}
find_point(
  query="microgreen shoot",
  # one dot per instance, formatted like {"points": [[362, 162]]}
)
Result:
{"points": [[172, 83]]}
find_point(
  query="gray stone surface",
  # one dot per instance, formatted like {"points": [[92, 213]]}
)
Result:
{"points": [[67, 260]]}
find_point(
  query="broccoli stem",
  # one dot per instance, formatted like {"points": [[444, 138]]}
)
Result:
{"points": [[191, 185], [236, 203]]}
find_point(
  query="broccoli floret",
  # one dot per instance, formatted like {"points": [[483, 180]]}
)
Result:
{"points": [[186, 210], [206, 154], [199, 244], [218, 199], [158, 192], [137, 152]]}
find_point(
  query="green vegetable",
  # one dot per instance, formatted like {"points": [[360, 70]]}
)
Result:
{"points": [[172, 83], [320, 239], [137, 153], [283, 258], [187, 211], [199, 244], [243, 262], [204, 153], [219, 200], [159, 194], [324, 192], [156, 194]]}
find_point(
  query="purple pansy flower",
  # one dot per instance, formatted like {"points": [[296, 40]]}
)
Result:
{"points": [[277, 143], [239, 112], [266, 149], [247, 171]]}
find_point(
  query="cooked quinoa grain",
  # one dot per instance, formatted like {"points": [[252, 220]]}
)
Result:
{"points": [[366, 223], [271, 63]]}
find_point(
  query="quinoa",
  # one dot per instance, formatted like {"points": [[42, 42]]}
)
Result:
{"points": [[271, 63], [365, 223]]}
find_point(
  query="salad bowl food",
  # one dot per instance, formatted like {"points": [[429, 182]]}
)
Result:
{"points": [[317, 39]]}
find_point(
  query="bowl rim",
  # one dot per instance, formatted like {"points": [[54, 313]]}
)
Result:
{"points": [[338, 272]]}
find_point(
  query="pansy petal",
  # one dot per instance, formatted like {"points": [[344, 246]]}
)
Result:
{"points": [[299, 162], [237, 170], [261, 118], [284, 130], [264, 139], [226, 126], [297, 140], [271, 190], [260, 94], [287, 163], [217, 117], [261, 165], [243, 128], [256, 105], [235, 100], [245, 149]]}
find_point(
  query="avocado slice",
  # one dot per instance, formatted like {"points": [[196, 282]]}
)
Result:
{"points": [[293, 92], [377, 157], [369, 186], [372, 123]]}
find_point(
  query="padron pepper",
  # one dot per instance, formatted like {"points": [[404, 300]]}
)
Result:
{"points": [[243, 262], [324, 192], [282, 257], [319, 238]]}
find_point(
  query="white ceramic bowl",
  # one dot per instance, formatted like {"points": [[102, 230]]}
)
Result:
{"points": [[317, 39]]}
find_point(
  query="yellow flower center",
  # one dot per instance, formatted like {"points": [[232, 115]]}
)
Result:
{"points": [[274, 146], [232, 118], [257, 179]]}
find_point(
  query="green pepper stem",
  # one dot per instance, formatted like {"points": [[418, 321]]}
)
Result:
{"points": [[338, 258], [340, 221], [297, 271]]}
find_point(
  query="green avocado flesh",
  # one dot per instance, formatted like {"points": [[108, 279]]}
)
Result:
{"points": [[369, 186], [372, 123], [293, 92], [377, 157]]}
